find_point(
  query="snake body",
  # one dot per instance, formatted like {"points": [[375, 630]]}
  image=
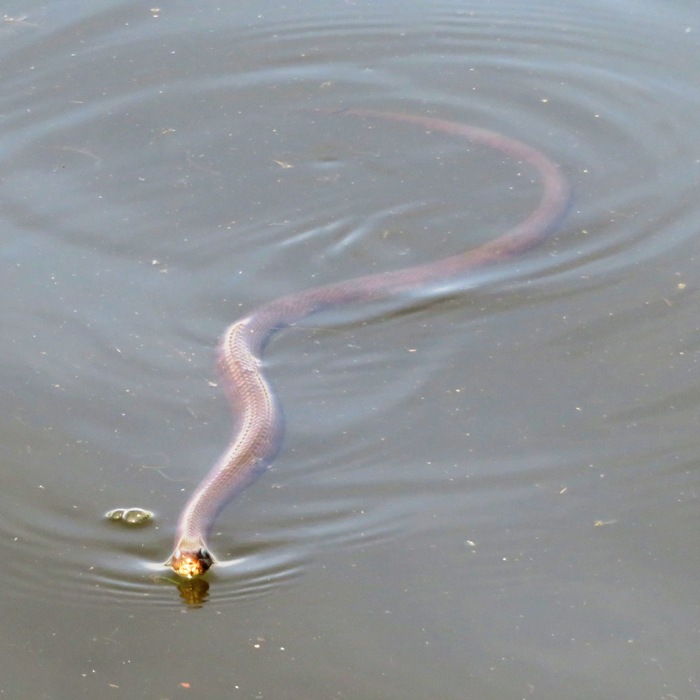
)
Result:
{"points": [[258, 424]]}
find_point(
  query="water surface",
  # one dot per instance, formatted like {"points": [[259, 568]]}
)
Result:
{"points": [[490, 493]]}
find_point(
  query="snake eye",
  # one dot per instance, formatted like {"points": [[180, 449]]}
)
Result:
{"points": [[205, 559]]}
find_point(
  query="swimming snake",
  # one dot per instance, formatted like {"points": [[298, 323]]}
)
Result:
{"points": [[258, 425]]}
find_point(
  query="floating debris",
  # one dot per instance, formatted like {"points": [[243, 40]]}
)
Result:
{"points": [[129, 516]]}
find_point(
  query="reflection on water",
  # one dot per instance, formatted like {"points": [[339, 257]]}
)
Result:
{"points": [[446, 465], [194, 591]]}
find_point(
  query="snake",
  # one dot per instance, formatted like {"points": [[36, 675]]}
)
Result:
{"points": [[258, 423]]}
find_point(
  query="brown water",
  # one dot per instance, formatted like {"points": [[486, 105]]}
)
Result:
{"points": [[489, 494]]}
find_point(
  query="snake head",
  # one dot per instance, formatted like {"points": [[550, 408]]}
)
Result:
{"points": [[190, 563]]}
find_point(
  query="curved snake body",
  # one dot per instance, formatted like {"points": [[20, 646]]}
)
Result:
{"points": [[258, 430]]}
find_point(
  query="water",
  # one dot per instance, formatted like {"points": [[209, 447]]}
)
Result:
{"points": [[487, 494]]}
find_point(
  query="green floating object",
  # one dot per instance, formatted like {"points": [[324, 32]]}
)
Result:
{"points": [[129, 516]]}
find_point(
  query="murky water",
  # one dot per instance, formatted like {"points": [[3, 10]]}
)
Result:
{"points": [[488, 493]]}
